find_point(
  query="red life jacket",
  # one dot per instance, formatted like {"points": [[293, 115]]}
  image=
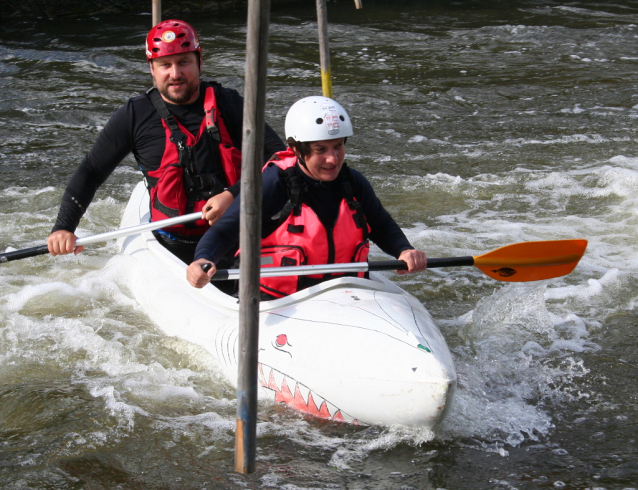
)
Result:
{"points": [[186, 179], [301, 238]]}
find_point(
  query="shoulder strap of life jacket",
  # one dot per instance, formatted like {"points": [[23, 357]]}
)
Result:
{"points": [[346, 184], [210, 115], [177, 136], [296, 188]]}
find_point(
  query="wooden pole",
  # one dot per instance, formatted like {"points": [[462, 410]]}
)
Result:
{"points": [[250, 232], [157, 12], [324, 48], [358, 4]]}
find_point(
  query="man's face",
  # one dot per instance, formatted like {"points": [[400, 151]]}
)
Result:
{"points": [[177, 77]]}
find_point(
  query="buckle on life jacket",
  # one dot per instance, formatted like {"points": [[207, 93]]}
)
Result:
{"points": [[179, 140], [211, 127], [207, 184]]}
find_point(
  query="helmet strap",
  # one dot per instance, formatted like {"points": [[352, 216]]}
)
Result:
{"points": [[294, 146], [300, 159]]}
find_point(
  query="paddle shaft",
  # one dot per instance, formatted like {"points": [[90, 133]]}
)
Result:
{"points": [[103, 237], [306, 270]]}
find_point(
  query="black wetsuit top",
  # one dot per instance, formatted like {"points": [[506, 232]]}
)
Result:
{"points": [[137, 127], [323, 197]]}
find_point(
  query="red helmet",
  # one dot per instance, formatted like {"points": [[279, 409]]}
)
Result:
{"points": [[172, 37]]}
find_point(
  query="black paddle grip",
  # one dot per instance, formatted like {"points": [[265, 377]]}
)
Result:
{"points": [[24, 253], [220, 275], [450, 262], [387, 265]]}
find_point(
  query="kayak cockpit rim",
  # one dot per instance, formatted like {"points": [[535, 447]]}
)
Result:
{"points": [[376, 282]]}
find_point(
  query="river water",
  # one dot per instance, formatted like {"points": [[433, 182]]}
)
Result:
{"points": [[480, 124]]}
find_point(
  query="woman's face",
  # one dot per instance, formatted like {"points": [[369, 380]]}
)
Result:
{"points": [[325, 159]]}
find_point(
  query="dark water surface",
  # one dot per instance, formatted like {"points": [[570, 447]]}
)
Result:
{"points": [[479, 124]]}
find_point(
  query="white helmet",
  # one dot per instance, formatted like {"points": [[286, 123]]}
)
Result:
{"points": [[317, 118]]}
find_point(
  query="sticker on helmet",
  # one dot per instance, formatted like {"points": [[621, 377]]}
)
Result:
{"points": [[168, 37], [331, 119]]}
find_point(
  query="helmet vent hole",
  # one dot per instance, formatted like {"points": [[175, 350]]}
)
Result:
{"points": [[319, 120], [181, 34], [342, 118]]}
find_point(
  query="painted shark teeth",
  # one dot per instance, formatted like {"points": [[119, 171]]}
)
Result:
{"points": [[304, 392], [278, 379], [298, 396]]}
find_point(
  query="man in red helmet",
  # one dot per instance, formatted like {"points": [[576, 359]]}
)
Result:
{"points": [[185, 135]]}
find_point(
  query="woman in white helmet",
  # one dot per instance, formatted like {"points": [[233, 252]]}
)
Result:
{"points": [[315, 209]]}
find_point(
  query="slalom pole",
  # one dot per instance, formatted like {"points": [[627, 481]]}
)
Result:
{"points": [[157, 12], [324, 48], [250, 233]]}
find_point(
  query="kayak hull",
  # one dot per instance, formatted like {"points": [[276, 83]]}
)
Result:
{"points": [[355, 350]]}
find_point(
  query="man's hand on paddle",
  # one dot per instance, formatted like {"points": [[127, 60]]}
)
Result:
{"points": [[62, 242], [416, 260], [196, 276], [216, 206]]}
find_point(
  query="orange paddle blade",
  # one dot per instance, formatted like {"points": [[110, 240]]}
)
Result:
{"points": [[532, 261]]}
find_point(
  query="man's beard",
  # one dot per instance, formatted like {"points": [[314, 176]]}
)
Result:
{"points": [[183, 97]]}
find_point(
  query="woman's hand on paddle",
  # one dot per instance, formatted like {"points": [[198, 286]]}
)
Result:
{"points": [[216, 206], [416, 260], [195, 274], [62, 242]]}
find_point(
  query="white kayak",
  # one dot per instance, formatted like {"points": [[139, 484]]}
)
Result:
{"points": [[356, 350]]}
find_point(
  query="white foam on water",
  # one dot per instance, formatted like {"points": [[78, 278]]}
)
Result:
{"points": [[124, 411], [15, 302], [219, 428], [82, 325], [23, 192], [515, 357]]}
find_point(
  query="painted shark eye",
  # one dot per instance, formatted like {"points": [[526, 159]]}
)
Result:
{"points": [[319, 120]]}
